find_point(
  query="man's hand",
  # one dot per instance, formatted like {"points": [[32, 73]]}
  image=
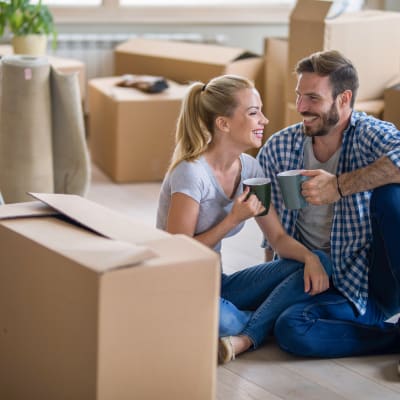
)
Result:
{"points": [[321, 188]]}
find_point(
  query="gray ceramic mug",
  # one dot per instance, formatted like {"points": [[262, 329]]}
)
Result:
{"points": [[290, 185]]}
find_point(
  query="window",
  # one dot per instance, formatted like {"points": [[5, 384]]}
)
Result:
{"points": [[164, 2], [171, 11], [70, 3], [203, 3]]}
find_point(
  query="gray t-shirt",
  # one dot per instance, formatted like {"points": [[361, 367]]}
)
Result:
{"points": [[314, 223], [196, 179]]}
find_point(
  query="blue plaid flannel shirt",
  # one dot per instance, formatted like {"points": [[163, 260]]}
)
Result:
{"points": [[365, 140]]}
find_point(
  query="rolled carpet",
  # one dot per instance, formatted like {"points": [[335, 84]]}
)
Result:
{"points": [[71, 164], [42, 135], [26, 156]]}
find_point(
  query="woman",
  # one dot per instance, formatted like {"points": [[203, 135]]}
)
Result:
{"points": [[202, 196]]}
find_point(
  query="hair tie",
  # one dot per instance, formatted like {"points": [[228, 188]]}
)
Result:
{"points": [[204, 88]]}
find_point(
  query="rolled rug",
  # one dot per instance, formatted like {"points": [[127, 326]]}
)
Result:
{"points": [[26, 155], [71, 162]]}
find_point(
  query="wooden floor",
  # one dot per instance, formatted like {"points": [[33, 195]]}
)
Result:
{"points": [[267, 373]]}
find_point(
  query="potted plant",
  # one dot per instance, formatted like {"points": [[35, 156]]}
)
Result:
{"points": [[29, 24]]}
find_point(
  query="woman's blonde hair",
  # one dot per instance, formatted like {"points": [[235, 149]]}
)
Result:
{"points": [[200, 108]]}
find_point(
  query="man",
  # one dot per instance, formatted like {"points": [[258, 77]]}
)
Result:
{"points": [[353, 164]]}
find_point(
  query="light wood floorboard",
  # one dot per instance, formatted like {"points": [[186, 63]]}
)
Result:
{"points": [[268, 373]]}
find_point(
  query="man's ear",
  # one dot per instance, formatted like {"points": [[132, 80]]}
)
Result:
{"points": [[345, 97], [222, 124]]}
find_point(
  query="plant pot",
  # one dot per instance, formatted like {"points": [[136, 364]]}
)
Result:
{"points": [[34, 45]]}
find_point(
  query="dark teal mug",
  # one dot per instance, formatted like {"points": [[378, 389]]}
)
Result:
{"points": [[261, 187]]}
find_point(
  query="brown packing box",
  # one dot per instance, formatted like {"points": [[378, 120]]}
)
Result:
{"points": [[276, 60], [369, 38], [131, 133], [184, 62], [371, 107], [95, 305], [392, 105]]}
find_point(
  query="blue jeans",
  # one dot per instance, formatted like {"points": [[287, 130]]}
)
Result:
{"points": [[328, 325], [252, 299]]}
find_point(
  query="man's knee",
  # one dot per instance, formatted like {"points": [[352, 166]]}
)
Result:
{"points": [[292, 330], [386, 198]]}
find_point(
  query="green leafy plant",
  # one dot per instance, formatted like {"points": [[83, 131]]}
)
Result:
{"points": [[21, 18]]}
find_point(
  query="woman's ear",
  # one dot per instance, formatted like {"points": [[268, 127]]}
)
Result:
{"points": [[222, 124]]}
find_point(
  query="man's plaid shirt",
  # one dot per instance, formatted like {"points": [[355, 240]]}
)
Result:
{"points": [[365, 140]]}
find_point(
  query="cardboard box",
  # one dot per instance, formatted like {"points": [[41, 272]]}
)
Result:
{"points": [[291, 114], [392, 105], [64, 65], [95, 305], [276, 66], [184, 62], [131, 133], [372, 107], [369, 38]]}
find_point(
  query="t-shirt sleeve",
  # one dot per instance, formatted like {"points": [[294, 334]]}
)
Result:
{"points": [[186, 178]]}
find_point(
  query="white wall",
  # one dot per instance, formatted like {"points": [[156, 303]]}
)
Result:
{"points": [[250, 37]]}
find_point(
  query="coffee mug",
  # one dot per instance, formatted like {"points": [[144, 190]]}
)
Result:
{"points": [[261, 187], [290, 185]]}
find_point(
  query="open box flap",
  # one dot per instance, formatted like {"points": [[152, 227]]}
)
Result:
{"points": [[311, 10], [90, 250], [100, 219], [193, 52], [23, 210], [94, 251]]}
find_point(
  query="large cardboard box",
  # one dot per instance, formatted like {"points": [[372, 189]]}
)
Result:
{"points": [[184, 62], [95, 305], [131, 133], [392, 105], [371, 107], [369, 38], [276, 66]]}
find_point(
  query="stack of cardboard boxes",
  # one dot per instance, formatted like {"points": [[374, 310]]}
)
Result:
{"points": [[132, 133], [370, 38]]}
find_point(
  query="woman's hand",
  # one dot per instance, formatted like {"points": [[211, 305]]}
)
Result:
{"points": [[244, 208], [316, 279]]}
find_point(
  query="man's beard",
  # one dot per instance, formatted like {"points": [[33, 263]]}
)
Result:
{"points": [[329, 119]]}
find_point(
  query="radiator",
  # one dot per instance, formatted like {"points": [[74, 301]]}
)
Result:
{"points": [[96, 50]]}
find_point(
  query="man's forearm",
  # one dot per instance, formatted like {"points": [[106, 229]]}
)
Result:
{"points": [[379, 173]]}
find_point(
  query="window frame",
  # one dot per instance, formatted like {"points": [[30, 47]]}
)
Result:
{"points": [[111, 12]]}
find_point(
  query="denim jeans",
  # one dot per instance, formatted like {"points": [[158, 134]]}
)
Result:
{"points": [[328, 325], [252, 299]]}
